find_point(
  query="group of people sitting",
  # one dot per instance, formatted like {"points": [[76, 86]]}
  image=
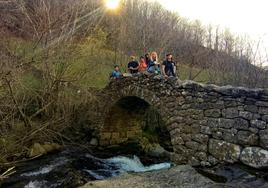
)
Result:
{"points": [[148, 64]]}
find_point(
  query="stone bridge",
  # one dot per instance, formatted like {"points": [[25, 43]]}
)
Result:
{"points": [[207, 124]]}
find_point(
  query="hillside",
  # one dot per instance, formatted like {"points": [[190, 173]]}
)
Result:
{"points": [[55, 55], [117, 36]]}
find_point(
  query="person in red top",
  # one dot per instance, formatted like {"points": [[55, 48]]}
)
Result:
{"points": [[143, 66]]}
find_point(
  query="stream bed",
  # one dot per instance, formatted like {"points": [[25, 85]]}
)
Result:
{"points": [[73, 168]]}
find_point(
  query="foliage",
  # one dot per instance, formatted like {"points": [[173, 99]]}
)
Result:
{"points": [[54, 52]]}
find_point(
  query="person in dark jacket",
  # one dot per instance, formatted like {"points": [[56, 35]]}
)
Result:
{"points": [[169, 66], [133, 66]]}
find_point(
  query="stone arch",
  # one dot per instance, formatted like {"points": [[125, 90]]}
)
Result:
{"points": [[134, 118], [112, 94]]}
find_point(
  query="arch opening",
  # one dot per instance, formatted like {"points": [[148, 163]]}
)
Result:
{"points": [[132, 119]]}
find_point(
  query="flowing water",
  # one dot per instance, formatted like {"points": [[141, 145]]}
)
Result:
{"points": [[72, 168]]}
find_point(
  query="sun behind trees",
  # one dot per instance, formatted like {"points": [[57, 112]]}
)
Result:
{"points": [[53, 51], [112, 4]]}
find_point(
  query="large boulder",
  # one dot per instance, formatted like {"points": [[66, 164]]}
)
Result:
{"points": [[255, 157], [179, 176], [224, 151]]}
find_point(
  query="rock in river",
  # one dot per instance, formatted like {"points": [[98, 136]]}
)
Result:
{"points": [[176, 177]]}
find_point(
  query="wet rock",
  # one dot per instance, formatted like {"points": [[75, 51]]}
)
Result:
{"points": [[224, 151], [255, 157]]}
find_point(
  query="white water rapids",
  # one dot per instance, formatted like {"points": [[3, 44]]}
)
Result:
{"points": [[134, 165], [123, 164]]}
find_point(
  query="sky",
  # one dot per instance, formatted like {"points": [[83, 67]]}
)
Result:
{"points": [[243, 17]]}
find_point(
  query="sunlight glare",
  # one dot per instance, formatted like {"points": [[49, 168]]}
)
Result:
{"points": [[112, 4]]}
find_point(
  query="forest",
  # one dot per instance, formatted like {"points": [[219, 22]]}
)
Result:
{"points": [[55, 54]]}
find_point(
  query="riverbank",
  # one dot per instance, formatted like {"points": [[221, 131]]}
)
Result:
{"points": [[180, 176], [177, 177]]}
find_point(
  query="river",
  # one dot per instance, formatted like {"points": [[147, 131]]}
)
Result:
{"points": [[71, 168], [75, 167]]}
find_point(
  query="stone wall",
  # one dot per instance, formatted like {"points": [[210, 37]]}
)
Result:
{"points": [[120, 126], [207, 124]]}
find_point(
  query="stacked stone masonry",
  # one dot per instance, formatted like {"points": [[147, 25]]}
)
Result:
{"points": [[208, 124]]}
